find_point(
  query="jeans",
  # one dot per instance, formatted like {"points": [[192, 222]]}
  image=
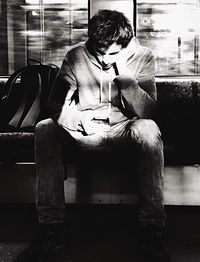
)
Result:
{"points": [[141, 134]]}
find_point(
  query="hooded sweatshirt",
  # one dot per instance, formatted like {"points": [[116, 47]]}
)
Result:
{"points": [[87, 97]]}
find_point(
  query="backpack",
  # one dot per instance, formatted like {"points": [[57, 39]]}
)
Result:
{"points": [[25, 96]]}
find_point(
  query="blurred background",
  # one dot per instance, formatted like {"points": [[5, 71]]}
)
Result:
{"points": [[44, 29]]}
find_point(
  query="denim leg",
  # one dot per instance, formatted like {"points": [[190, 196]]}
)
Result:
{"points": [[50, 173], [143, 136], [151, 170]]}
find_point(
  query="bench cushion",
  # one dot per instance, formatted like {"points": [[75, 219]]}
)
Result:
{"points": [[16, 147]]}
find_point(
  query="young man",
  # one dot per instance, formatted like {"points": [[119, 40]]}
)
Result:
{"points": [[103, 98]]}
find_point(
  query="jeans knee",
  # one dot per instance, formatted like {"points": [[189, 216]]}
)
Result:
{"points": [[147, 133], [44, 124], [45, 130]]}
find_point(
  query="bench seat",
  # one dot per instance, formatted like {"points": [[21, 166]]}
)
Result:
{"points": [[177, 116]]}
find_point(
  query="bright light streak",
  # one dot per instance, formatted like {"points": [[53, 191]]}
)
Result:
{"points": [[32, 33], [180, 20], [36, 2]]}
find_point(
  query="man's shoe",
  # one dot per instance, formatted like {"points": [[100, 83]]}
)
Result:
{"points": [[50, 239], [153, 247]]}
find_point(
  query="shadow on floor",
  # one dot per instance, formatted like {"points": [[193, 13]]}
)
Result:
{"points": [[100, 233]]}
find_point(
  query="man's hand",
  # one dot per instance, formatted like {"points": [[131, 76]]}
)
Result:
{"points": [[124, 81], [93, 123]]}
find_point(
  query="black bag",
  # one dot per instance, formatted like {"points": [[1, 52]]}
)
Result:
{"points": [[25, 96]]}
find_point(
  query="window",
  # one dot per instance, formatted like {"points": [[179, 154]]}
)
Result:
{"points": [[171, 29], [43, 30], [125, 6], [39, 29]]}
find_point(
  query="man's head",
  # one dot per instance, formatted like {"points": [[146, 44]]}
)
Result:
{"points": [[109, 32]]}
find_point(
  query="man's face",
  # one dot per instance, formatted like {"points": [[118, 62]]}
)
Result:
{"points": [[108, 56]]}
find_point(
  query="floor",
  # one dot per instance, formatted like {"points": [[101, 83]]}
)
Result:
{"points": [[100, 233]]}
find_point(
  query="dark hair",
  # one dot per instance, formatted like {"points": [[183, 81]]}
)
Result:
{"points": [[108, 27]]}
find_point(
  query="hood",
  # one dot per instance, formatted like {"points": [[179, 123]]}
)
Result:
{"points": [[126, 55]]}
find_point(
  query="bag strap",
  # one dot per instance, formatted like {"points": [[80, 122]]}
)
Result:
{"points": [[33, 113], [26, 115], [11, 81], [18, 116]]}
